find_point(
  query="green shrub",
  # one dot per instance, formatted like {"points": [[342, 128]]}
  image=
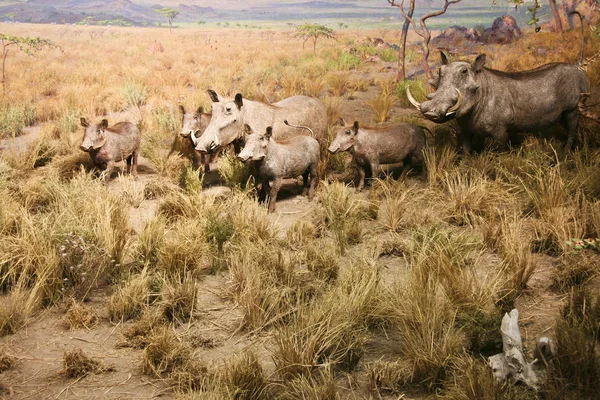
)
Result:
{"points": [[417, 88], [14, 118], [134, 94]]}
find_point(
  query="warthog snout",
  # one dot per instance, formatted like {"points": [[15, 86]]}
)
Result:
{"points": [[433, 115], [333, 149], [186, 134], [86, 149]]}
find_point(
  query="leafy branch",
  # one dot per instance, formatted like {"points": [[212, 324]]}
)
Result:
{"points": [[27, 45]]}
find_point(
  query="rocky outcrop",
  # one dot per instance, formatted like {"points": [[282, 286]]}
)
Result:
{"points": [[503, 30]]}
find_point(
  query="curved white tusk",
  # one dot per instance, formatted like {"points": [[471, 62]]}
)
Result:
{"points": [[195, 140], [456, 106], [412, 99]]}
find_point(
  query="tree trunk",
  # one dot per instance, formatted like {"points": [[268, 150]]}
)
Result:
{"points": [[557, 21], [4, 54], [402, 50], [425, 63]]}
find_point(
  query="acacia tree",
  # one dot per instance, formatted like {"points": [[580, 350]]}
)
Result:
{"points": [[27, 45], [313, 32], [420, 27], [169, 14]]}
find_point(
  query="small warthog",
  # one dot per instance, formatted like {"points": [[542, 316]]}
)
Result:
{"points": [[386, 145], [193, 126], [108, 145], [276, 161]]}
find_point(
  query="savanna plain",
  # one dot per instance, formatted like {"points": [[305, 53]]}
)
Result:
{"points": [[180, 285]]}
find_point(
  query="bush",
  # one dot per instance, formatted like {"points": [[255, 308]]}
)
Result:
{"points": [[134, 94], [417, 88], [14, 118]]}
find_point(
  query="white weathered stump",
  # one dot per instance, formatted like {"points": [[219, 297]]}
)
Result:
{"points": [[511, 364]]}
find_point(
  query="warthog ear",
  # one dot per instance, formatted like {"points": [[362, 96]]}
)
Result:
{"points": [[238, 101], [355, 127], [213, 95], [247, 129], [84, 123], [200, 110], [269, 132], [444, 58], [104, 124], [341, 122], [182, 109], [479, 63]]}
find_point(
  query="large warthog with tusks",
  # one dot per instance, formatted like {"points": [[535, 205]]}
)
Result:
{"points": [[108, 145], [370, 147], [486, 102], [277, 160], [232, 118]]}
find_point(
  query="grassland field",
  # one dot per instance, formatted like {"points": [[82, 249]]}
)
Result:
{"points": [[180, 285]]}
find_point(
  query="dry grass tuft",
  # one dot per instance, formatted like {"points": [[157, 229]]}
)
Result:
{"points": [[473, 379], [166, 356], [438, 161], [6, 361], [178, 299], [79, 316], [575, 368], [14, 310], [243, 378], [515, 251], [76, 364], [131, 298], [320, 386], [235, 173], [138, 334], [341, 212], [387, 376], [330, 333], [383, 103]]}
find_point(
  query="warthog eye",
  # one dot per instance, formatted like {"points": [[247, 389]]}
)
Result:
{"points": [[464, 70], [228, 109], [348, 132], [196, 117]]}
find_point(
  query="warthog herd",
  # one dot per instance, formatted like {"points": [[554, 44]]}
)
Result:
{"points": [[287, 139]]}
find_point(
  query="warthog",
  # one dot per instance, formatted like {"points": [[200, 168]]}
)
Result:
{"points": [[107, 145], [276, 161], [305, 115], [486, 102], [192, 127], [371, 147]]}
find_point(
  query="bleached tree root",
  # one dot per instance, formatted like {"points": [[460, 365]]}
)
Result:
{"points": [[511, 364]]}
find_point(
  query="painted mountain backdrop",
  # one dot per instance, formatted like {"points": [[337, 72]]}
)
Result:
{"points": [[349, 12]]}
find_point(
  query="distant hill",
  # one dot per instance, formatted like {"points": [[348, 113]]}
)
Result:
{"points": [[143, 12]]}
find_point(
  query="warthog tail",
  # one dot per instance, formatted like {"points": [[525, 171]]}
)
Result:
{"points": [[581, 19], [312, 134]]}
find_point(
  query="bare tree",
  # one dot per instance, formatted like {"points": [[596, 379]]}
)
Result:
{"points": [[402, 50], [557, 21], [569, 6], [421, 27]]}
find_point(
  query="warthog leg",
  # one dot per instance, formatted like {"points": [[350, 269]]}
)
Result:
{"points": [[273, 195]]}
